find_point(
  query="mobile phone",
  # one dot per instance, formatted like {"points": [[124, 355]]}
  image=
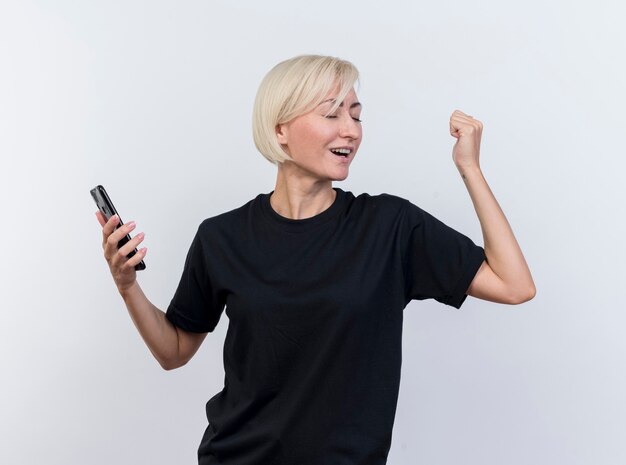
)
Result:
{"points": [[103, 201]]}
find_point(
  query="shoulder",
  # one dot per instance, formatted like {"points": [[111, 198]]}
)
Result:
{"points": [[398, 211], [225, 221], [385, 204]]}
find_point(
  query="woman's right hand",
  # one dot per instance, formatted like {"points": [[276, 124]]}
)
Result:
{"points": [[122, 268]]}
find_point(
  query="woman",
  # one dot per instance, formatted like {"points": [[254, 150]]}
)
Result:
{"points": [[315, 281]]}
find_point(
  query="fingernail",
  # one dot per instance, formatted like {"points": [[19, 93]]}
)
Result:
{"points": [[130, 225]]}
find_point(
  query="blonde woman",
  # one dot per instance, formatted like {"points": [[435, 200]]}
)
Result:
{"points": [[315, 280]]}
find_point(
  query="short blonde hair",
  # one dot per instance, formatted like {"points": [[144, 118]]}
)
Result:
{"points": [[292, 88]]}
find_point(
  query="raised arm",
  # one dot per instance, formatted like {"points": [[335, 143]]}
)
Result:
{"points": [[504, 277], [171, 346]]}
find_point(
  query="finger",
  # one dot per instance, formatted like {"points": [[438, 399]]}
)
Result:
{"points": [[131, 245], [108, 228], [461, 124], [121, 231], [460, 113], [110, 225], [135, 259], [110, 245], [461, 118], [101, 219], [466, 119]]}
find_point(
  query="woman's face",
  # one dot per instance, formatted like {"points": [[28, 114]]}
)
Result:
{"points": [[310, 138]]}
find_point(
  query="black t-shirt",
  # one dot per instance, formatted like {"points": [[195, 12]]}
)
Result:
{"points": [[312, 354]]}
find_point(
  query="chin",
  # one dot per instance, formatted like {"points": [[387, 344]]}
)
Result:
{"points": [[340, 178]]}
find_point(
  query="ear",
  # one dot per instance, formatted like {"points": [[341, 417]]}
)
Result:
{"points": [[281, 133]]}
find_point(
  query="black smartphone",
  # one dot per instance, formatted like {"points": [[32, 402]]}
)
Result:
{"points": [[103, 201]]}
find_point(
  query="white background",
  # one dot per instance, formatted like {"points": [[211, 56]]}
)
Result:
{"points": [[153, 100]]}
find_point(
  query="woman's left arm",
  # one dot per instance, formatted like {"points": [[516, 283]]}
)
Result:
{"points": [[504, 277]]}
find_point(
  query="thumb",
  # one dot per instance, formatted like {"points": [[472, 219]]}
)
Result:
{"points": [[454, 132], [101, 219]]}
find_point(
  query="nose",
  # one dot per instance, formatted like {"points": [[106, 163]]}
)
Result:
{"points": [[349, 128]]}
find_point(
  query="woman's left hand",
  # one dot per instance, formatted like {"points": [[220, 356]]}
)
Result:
{"points": [[467, 131]]}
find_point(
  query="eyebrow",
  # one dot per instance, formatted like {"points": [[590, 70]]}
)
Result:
{"points": [[355, 104]]}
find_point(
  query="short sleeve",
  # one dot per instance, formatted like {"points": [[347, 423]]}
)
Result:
{"points": [[440, 262], [197, 304]]}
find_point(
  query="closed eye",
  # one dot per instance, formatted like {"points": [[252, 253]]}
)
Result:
{"points": [[355, 119]]}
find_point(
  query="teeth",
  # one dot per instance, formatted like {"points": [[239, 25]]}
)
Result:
{"points": [[345, 151]]}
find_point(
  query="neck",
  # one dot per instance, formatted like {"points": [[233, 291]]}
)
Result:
{"points": [[299, 198]]}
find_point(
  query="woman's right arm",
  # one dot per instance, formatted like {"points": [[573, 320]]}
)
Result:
{"points": [[171, 346]]}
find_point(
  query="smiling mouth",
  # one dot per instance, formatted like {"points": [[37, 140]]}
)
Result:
{"points": [[341, 152]]}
